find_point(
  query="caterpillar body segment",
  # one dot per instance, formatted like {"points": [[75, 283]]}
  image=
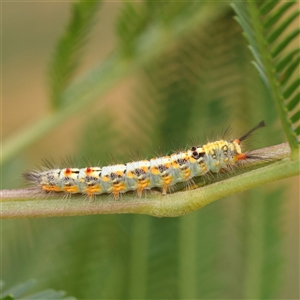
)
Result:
{"points": [[197, 161], [113, 180], [160, 172], [138, 176], [220, 154], [69, 180], [182, 166], [90, 181], [49, 180]]}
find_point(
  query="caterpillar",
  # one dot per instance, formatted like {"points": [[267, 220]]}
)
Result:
{"points": [[159, 172]]}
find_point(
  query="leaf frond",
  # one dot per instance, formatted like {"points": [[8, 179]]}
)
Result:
{"points": [[269, 30], [69, 49]]}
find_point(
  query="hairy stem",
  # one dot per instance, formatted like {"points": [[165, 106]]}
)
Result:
{"points": [[33, 203]]}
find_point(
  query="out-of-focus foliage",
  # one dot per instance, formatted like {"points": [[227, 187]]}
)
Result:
{"points": [[198, 84], [20, 291], [69, 49]]}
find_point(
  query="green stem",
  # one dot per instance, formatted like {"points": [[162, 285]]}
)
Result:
{"points": [[33, 203]]}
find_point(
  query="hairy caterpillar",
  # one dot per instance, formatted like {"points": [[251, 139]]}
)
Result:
{"points": [[160, 172]]}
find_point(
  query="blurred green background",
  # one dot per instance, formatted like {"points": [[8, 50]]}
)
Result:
{"points": [[242, 247]]}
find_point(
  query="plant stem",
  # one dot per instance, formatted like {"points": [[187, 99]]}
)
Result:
{"points": [[33, 203]]}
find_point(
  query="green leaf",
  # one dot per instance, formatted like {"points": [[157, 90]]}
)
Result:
{"points": [[68, 52], [47, 294], [293, 102], [274, 16], [131, 22], [267, 6], [280, 47], [275, 33], [7, 297], [291, 88], [261, 73], [283, 62], [21, 288], [243, 21], [264, 28], [20, 291], [296, 117], [294, 65]]}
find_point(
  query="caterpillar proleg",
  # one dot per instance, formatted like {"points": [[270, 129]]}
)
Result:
{"points": [[159, 172]]}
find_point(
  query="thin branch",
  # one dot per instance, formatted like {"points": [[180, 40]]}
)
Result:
{"points": [[24, 203]]}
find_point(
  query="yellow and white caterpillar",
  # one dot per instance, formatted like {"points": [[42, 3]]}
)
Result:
{"points": [[160, 172]]}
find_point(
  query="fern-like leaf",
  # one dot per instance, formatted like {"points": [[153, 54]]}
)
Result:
{"points": [[68, 51], [131, 22], [268, 28]]}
